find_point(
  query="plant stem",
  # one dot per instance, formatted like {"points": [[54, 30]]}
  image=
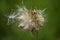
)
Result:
{"points": [[36, 33]]}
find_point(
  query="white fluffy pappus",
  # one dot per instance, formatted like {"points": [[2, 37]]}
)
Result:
{"points": [[29, 19]]}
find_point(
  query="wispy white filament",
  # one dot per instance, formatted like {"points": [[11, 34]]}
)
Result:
{"points": [[23, 15]]}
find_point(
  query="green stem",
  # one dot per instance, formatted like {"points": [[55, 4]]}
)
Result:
{"points": [[36, 33]]}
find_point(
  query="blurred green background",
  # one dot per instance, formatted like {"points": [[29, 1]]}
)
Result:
{"points": [[50, 31]]}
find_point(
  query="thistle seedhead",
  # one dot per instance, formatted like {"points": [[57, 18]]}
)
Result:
{"points": [[28, 19]]}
